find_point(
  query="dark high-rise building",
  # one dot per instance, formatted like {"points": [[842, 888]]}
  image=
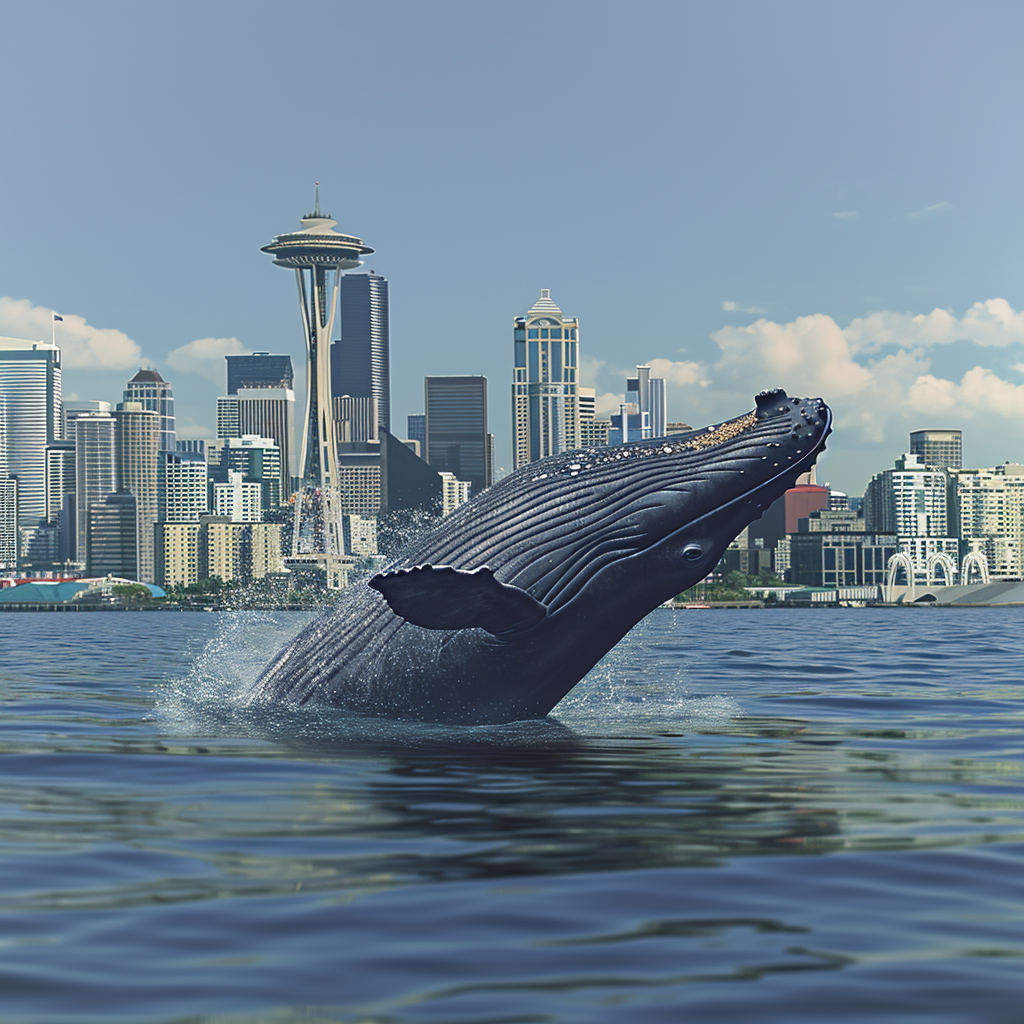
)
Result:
{"points": [[360, 359], [260, 370], [417, 428], [112, 548], [456, 429]]}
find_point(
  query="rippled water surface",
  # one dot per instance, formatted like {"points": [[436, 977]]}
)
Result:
{"points": [[739, 816]]}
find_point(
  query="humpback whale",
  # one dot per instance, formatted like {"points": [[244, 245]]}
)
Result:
{"points": [[501, 610]]}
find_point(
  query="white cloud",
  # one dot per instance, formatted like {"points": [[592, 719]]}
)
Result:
{"points": [[82, 345], [980, 391], [1019, 367], [993, 322], [607, 404], [930, 211], [590, 370], [679, 372], [205, 357], [731, 306], [847, 215]]}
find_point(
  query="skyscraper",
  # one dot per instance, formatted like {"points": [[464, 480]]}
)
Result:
{"points": [[545, 383], [137, 444], [95, 469], [30, 387], [183, 486], [456, 428], [8, 499], [154, 393], [113, 537], [265, 412], [360, 358], [938, 449], [648, 394], [259, 370]]}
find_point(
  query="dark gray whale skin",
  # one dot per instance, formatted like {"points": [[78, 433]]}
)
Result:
{"points": [[496, 614]]}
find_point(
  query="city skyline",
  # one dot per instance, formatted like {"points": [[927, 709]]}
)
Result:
{"points": [[777, 235]]}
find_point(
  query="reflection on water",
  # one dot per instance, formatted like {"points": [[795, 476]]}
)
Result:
{"points": [[737, 815]]}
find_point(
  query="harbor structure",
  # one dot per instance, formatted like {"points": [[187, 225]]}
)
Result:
{"points": [[319, 255], [545, 383]]}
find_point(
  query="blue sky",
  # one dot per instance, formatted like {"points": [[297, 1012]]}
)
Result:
{"points": [[822, 196]]}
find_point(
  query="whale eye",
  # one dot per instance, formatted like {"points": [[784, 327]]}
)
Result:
{"points": [[693, 553]]}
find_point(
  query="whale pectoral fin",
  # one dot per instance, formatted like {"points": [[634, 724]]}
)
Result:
{"points": [[442, 597]]}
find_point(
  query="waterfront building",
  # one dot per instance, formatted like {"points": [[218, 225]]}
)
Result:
{"points": [[455, 421], [238, 551], [314, 252], [183, 484], [909, 500], [360, 358], [257, 458], [938, 449], [113, 537], [138, 437], [95, 470], [30, 390], [647, 393], [829, 550], [263, 412], [454, 492], [987, 512], [8, 501], [154, 394], [259, 370], [545, 383], [177, 553], [782, 516]]}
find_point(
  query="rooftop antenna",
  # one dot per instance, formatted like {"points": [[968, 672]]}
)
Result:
{"points": [[318, 199]]}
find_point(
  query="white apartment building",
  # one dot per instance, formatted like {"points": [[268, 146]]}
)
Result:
{"points": [[988, 512], [238, 501]]}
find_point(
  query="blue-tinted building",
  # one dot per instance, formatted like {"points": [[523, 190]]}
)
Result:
{"points": [[360, 358]]}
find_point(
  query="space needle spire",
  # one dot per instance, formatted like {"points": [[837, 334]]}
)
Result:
{"points": [[319, 255]]}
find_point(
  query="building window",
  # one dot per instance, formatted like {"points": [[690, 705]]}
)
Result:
{"points": [[544, 332], [532, 333], [556, 332]]}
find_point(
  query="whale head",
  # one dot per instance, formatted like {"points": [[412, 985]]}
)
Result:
{"points": [[639, 522]]}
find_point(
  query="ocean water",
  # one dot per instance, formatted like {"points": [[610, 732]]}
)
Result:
{"points": [[739, 816]]}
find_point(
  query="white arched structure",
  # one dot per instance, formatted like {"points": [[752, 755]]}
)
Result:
{"points": [[979, 561], [904, 559], [936, 559]]}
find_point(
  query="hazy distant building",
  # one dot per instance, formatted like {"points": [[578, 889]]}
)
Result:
{"points": [[154, 394], [60, 478], [909, 500], [30, 390], [545, 383], [73, 409], [648, 394], [258, 459], [95, 470], [628, 424], [417, 429], [360, 535], [360, 358], [112, 548], [356, 419], [455, 421], [238, 551], [259, 370], [938, 449]]}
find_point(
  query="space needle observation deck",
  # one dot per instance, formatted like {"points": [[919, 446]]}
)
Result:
{"points": [[314, 252]]}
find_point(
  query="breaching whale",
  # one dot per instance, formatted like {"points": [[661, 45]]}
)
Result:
{"points": [[501, 610]]}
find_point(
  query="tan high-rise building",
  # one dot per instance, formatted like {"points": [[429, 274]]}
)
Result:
{"points": [[545, 383], [138, 447]]}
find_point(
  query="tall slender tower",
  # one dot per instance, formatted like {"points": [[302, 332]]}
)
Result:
{"points": [[315, 252], [545, 383]]}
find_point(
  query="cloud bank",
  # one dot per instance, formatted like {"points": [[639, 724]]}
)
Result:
{"points": [[83, 347], [205, 357]]}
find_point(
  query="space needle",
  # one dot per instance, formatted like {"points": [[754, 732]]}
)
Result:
{"points": [[312, 252]]}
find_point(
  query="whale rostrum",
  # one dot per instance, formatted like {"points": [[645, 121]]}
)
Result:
{"points": [[498, 612]]}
